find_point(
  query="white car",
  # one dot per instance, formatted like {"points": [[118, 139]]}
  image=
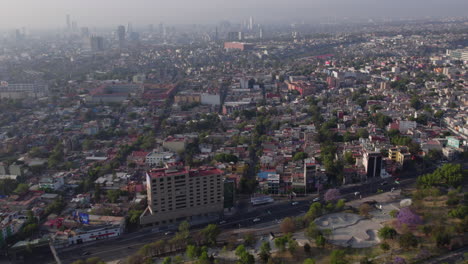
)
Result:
{"points": [[316, 199], [255, 220], [294, 203], [222, 222]]}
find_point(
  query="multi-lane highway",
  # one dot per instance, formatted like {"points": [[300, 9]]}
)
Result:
{"points": [[128, 244]]}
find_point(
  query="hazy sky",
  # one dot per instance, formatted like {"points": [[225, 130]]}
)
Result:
{"points": [[51, 13]]}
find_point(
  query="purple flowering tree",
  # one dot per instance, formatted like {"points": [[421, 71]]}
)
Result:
{"points": [[399, 260], [332, 195], [408, 217]]}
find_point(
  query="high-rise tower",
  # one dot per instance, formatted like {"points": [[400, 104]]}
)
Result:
{"points": [[121, 35]]}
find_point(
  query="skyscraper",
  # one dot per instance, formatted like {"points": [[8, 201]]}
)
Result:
{"points": [[121, 35], [251, 23], [129, 28], [68, 22], [261, 33], [97, 43]]}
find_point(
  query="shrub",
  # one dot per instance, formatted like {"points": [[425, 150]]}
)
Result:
{"points": [[385, 246], [460, 212], [393, 213], [387, 232], [408, 240]]}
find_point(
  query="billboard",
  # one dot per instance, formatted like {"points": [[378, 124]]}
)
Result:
{"points": [[84, 218]]}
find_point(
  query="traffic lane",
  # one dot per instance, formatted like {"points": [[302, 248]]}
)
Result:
{"points": [[277, 212]]}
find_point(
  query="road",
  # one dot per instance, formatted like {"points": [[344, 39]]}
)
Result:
{"points": [[127, 244]]}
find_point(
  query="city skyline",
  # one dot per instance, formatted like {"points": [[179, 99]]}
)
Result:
{"points": [[24, 13]]}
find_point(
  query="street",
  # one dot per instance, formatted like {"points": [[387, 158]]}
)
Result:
{"points": [[128, 244]]}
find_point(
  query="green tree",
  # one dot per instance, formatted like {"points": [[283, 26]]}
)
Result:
{"points": [[308, 261], [21, 189], [192, 252], [340, 204], [385, 246], [299, 156], [312, 231], [211, 233], [244, 256], [320, 241], [281, 242], [167, 260], [408, 240], [349, 158], [178, 260], [265, 251], [387, 232], [338, 257], [113, 195]]}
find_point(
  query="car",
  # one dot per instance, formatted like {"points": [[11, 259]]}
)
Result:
{"points": [[384, 183], [294, 203], [222, 222], [168, 233], [86, 253], [256, 219], [317, 199], [356, 193]]}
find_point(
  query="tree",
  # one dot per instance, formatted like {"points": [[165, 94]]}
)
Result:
{"points": [[442, 239], [407, 217], [416, 103], [340, 204], [332, 195], [287, 225], [146, 251], [211, 233], [192, 252], [244, 256], [312, 231], [387, 232], [308, 261], [265, 251], [223, 157], [21, 189], [292, 246], [426, 229], [408, 240], [134, 216], [349, 159], [362, 133], [203, 259], [281, 242], [184, 229], [299, 156], [178, 260], [167, 260], [320, 241], [449, 174], [338, 257], [460, 212], [385, 246], [249, 239], [113, 195]]}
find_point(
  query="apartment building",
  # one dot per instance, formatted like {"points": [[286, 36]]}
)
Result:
{"points": [[399, 154], [178, 193], [372, 161]]}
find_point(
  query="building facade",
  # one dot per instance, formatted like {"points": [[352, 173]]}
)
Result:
{"points": [[177, 193]]}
